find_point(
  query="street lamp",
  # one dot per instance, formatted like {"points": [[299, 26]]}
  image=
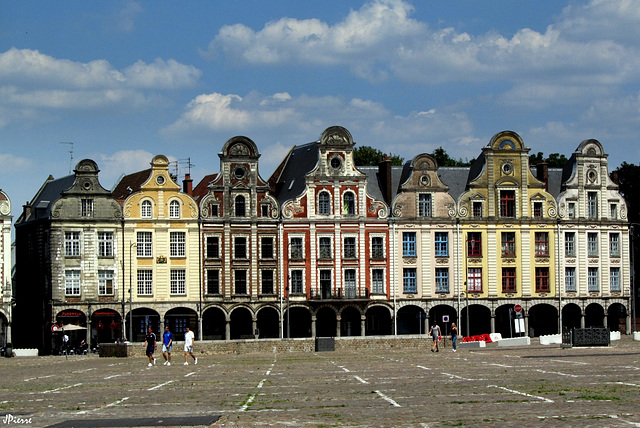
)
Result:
{"points": [[288, 307], [131, 245]]}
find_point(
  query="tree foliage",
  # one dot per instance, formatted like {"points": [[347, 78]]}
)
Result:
{"points": [[443, 158], [368, 156], [555, 160], [627, 175]]}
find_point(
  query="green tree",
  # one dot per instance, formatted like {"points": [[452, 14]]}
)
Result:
{"points": [[443, 159], [627, 175], [555, 160], [368, 156]]}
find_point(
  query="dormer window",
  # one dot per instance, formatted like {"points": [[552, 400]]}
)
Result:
{"points": [[324, 203], [507, 203], [349, 207], [145, 209], [335, 163], [87, 208], [174, 209]]}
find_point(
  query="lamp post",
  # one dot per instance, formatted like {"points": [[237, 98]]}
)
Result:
{"points": [[288, 307], [131, 245]]}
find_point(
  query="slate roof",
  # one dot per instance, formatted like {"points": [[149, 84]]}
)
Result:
{"points": [[50, 192], [202, 188], [289, 183], [454, 177]]}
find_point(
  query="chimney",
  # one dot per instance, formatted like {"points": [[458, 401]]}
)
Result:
{"points": [[542, 172], [26, 210], [614, 177], [384, 175], [187, 185]]}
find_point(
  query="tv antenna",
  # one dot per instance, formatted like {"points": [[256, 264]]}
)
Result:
{"points": [[183, 163], [70, 155]]}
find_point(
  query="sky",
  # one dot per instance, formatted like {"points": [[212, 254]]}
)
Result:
{"points": [[124, 81]]}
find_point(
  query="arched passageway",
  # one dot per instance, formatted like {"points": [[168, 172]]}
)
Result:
{"points": [[143, 318], [350, 322], [241, 324], [571, 316], [617, 318], [268, 322], [214, 324], [300, 319], [543, 320], [411, 320], [594, 316], [106, 326], [479, 320], [326, 322], [438, 314], [378, 321], [178, 319]]}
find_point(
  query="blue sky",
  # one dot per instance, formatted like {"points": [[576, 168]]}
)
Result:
{"points": [[126, 80]]}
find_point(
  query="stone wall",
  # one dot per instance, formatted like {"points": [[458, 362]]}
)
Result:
{"points": [[262, 346]]}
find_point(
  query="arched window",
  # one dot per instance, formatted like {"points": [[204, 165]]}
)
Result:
{"points": [[145, 209], [174, 209], [349, 207], [324, 203], [240, 206]]}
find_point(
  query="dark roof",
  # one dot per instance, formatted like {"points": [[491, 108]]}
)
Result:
{"points": [[129, 184], [49, 193], [291, 181], [201, 190], [455, 177]]}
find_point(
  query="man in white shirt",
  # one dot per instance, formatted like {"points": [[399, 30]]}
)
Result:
{"points": [[189, 337]]}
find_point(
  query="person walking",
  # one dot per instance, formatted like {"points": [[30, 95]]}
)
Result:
{"points": [[454, 335], [189, 337], [435, 335], [167, 343], [150, 343]]}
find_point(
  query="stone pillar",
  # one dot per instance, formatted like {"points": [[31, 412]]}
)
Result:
{"points": [[199, 328], [363, 321], [338, 323], [605, 321], [493, 322], [254, 324], [227, 328], [525, 314], [582, 319], [313, 326]]}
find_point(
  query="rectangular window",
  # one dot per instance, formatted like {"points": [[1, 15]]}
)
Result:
{"points": [[145, 283], [72, 244], [350, 283], [614, 244], [377, 281], [213, 281], [87, 207], [614, 279], [296, 249], [264, 210], [474, 280], [442, 280], [72, 282], [570, 279], [571, 209], [477, 209], [325, 283], [408, 244], [213, 247], [266, 247], [267, 282], [424, 205], [409, 282], [592, 244], [592, 279], [570, 244], [508, 244], [542, 280], [240, 248], [296, 282], [377, 248], [474, 244], [350, 247], [325, 248], [507, 203], [144, 247], [177, 244], [178, 281], [537, 210], [542, 244], [105, 282], [613, 211], [509, 280], [442, 244], [592, 204], [240, 281], [105, 244]]}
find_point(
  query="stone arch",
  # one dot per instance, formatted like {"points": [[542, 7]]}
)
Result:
{"points": [[437, 312], [142, 319], [479, 319], [571, 316], [326, 321], [214, 323], [107, 325], [411, 319], [179, 318]]}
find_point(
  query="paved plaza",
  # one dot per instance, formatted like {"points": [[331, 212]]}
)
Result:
{"points": [[495, 386]]}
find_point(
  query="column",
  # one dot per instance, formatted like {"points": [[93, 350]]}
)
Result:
{"points": [[363, 320], [313, 326], [254, 325], [227, 328], [338, 323]]}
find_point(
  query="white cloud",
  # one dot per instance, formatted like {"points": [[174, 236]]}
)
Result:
{"points": [[381, 40], [126, 16], [113, 166]]}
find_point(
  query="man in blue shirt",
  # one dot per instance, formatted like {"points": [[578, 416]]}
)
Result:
{"points": [[167, 343], [150, 344]]}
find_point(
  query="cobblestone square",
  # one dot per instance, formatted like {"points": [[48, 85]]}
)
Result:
{"points": [[494, 386]]}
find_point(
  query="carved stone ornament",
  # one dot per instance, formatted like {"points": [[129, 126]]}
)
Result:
{"points": [[5, 209], [425, 180], [397, 210], [239, 149]]}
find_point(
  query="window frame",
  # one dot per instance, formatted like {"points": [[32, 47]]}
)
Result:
{"points": [[72, 243], [240, 248], [267, 247], [593, 279], [441, 279], [350, 247], [264, 281], [474, 280], [72, 286], [474, 244], [377, 281], [240, 206], [240, 283], [178, 282], [570, 279], [614, 244], [105, 282], [213, 282], [324, 205], [177, 244], [409, 240], [593, 244], [296, 249], [441, 244], [144, 282], [212, 247], [174, 209], [146, 209], [508, 244], [509, 280], [325, 248], [144, 246], [296, 281], [542, 279], [569, 244], [425, 205], [541, 240], [349, 203], [105, 244], [614, 279], [409, 281], [507, 203]]}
